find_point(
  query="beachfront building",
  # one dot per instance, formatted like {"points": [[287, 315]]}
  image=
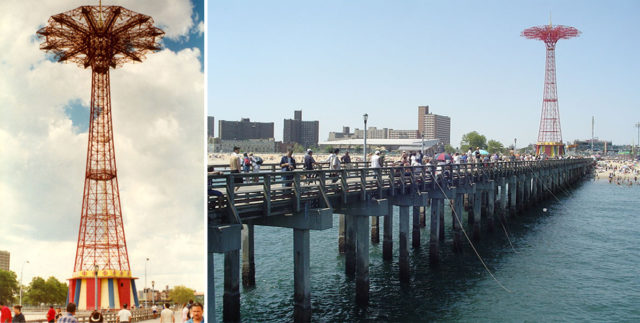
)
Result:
{"points": [[5, 258], [244, 130], [249, 145], [404, 134], [305, 133], [211, 121], [433, 126], [391, 145]]}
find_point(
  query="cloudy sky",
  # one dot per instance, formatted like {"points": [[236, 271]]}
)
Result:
{"points": [[463, 58], [158, 124]]}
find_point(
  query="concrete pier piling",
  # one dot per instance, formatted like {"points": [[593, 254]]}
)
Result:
{"points": [[375, 230], [387, 243], [231, 296], [350, 246], [434, 234], [403, 243], [342, 227], [423, 221], [301, 276], [477, 204], [248, 261], [512, 195], [457, 222], [362, 261], [415, 233]]}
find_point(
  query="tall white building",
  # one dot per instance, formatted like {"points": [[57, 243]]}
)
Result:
{"points": [[434, 126]]}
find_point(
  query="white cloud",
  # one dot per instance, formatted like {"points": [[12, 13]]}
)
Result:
{"points": [[158, 124]]}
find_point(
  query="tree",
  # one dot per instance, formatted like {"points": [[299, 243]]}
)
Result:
{"points": [[8, 286], [472, 140], [181, 294], [51, 291], [494, 146]]}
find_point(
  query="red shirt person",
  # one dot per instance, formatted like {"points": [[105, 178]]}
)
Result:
{"points": [[5, 314], [51, 314]]}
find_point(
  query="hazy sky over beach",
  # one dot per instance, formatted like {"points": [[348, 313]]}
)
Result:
{"points": [[337, 60], [158, 126]]}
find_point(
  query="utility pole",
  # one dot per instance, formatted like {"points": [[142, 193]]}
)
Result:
{"points": [[593, 120], [364, 151]]}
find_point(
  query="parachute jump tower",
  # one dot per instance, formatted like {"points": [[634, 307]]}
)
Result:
{"points": [[550, 134], [100, 38]]}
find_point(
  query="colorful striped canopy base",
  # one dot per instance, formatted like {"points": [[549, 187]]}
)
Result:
{"points": [[550, 149], [113, 293]]}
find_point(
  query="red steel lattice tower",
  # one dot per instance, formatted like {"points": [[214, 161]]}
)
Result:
{"points": [[100, 38], [550, 134]]}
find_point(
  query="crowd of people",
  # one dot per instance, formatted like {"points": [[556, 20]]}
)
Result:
{"points": [[192, 312], [619, 172]]}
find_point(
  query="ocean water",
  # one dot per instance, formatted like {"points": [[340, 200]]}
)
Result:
{"points": [[579, 262]]}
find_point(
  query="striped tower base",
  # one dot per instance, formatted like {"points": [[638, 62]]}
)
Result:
{"points": [[115, 288], [551, 149]]}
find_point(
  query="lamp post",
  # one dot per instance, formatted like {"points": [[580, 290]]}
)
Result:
{"points": [[153, 286], [515, 140], [364, 151], [145, 279], [21, 271]]}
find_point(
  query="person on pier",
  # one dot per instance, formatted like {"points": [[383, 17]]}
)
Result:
{"points": [[287, 164], [234, 165], [18, 317]]}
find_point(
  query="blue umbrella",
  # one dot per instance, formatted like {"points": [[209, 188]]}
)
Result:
{"points": [[483, 152]]}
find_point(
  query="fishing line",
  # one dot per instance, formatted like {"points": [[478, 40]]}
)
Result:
{"points": [[453, 211]]}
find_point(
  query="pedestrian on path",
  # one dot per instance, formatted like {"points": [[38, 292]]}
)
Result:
{"points": [[5, 313], [166, 315], [124, 316], [196, 313], [69, 316], [18, 317], [51, 314]]}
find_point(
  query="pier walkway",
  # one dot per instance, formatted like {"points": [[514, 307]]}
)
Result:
{"points": [[307, 200]]}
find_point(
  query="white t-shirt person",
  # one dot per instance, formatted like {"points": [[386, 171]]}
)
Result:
{"points": [[166, 316], [375, 160], [124, 315]]}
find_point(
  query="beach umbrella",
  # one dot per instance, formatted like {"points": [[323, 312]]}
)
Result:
{"points": [[442, 157], [483, 152]]}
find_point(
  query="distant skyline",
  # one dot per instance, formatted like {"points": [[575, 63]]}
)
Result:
{"points": [[337, 60]]}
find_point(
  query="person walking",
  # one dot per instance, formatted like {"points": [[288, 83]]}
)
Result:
{"points": [[51, 314], [234, 166], [346, 160], [196, 313], [5, 313], [334, 164], [166, 315], [256, 161], [69, 316], [309, 163], [287, 164], [124, 315], [375, 160], [18, 317]]}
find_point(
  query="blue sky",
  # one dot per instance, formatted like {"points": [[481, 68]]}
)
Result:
{"points": [[337, 60]]}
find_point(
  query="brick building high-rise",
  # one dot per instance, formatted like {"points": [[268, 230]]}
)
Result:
{"points": [[211, 121], [305, 133], [434, 126], [244, 129], [5, 258]]}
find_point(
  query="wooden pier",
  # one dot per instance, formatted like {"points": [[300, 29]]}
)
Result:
{"points": [[307, 200]]}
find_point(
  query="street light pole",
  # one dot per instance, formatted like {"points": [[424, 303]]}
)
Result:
{"points": [[145, 279], [515, 140], [21, 271], [364, 151]]}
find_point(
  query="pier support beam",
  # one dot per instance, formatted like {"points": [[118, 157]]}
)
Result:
{"points": [[477, 204], [423, 210], [231, 296], [375, 230], [491, 197], [512, 194], [350, 246], [301, 276], [503, 198], [520, 199], [403, 237], [415, 233], [456, 215], [248, 262], [226, 239], [441, 222], [362, 260], [342, 227], [387, 243], [357, 238], [434, 237]]}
